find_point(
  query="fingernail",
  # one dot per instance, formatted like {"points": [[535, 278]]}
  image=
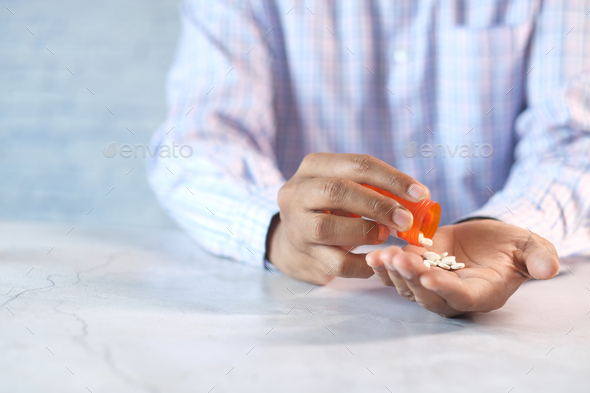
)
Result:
{"points": [[545, 268], [417, 191], [383, 233], [402, 218]]}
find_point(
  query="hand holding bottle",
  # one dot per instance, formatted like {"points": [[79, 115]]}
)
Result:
{"points": [[309, 244]]}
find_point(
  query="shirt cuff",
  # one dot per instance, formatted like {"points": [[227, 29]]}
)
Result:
{"points": [[252, 223], [475, 218]]}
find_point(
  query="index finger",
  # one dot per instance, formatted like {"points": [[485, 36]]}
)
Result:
{"points": [[363, 168]]}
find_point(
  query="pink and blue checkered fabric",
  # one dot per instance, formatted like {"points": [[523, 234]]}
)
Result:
{"points": [[486, 102]]}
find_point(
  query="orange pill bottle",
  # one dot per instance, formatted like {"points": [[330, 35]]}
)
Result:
{"points": [[426, 216]]}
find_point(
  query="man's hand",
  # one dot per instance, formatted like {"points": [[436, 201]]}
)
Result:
{"points": [[309, 243], [498, 258]]}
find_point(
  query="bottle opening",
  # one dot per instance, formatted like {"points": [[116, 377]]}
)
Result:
{"points": [[426, 217], [431, 219]]}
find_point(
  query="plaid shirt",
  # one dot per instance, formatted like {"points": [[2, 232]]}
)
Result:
{"points": [[486, 102]]}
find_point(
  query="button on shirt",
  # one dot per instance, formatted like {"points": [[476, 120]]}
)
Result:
{"points": [[487, 103]]}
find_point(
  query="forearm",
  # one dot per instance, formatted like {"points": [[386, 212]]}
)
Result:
{"points": [[226, 217], [221, 106]]}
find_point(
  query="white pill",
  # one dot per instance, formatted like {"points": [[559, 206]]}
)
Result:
{"points": [[444, 266], [426, 242], [448, 260], [456, 266], [431, 263], [426, 264], [444, 254], [431, 256]]}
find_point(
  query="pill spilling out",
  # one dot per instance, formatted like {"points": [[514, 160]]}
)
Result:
{"points": [[424, 241], [447, 263]]}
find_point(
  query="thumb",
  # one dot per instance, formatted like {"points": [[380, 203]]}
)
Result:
{"points": [[540, 258]]}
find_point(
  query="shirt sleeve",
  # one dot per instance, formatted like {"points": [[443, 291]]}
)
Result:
{"points": [[222, 185], [548, 189]]}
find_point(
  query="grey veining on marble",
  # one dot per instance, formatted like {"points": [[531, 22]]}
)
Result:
{"points": [[113, 310]]}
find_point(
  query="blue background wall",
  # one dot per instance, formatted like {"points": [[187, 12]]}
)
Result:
{"points": [[53, 129]]}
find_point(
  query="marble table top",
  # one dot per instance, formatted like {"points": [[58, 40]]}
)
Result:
{"points": [[115, 310]]}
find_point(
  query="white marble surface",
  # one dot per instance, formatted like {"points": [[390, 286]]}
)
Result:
{"points": [[147, 311]]}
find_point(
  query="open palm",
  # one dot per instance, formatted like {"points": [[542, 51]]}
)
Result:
{"points": [[498, 258]]}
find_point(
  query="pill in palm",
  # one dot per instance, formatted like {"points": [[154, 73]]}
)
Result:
{"points": [[431, 256], [444, 260], [449, 262], [450, 259]]}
